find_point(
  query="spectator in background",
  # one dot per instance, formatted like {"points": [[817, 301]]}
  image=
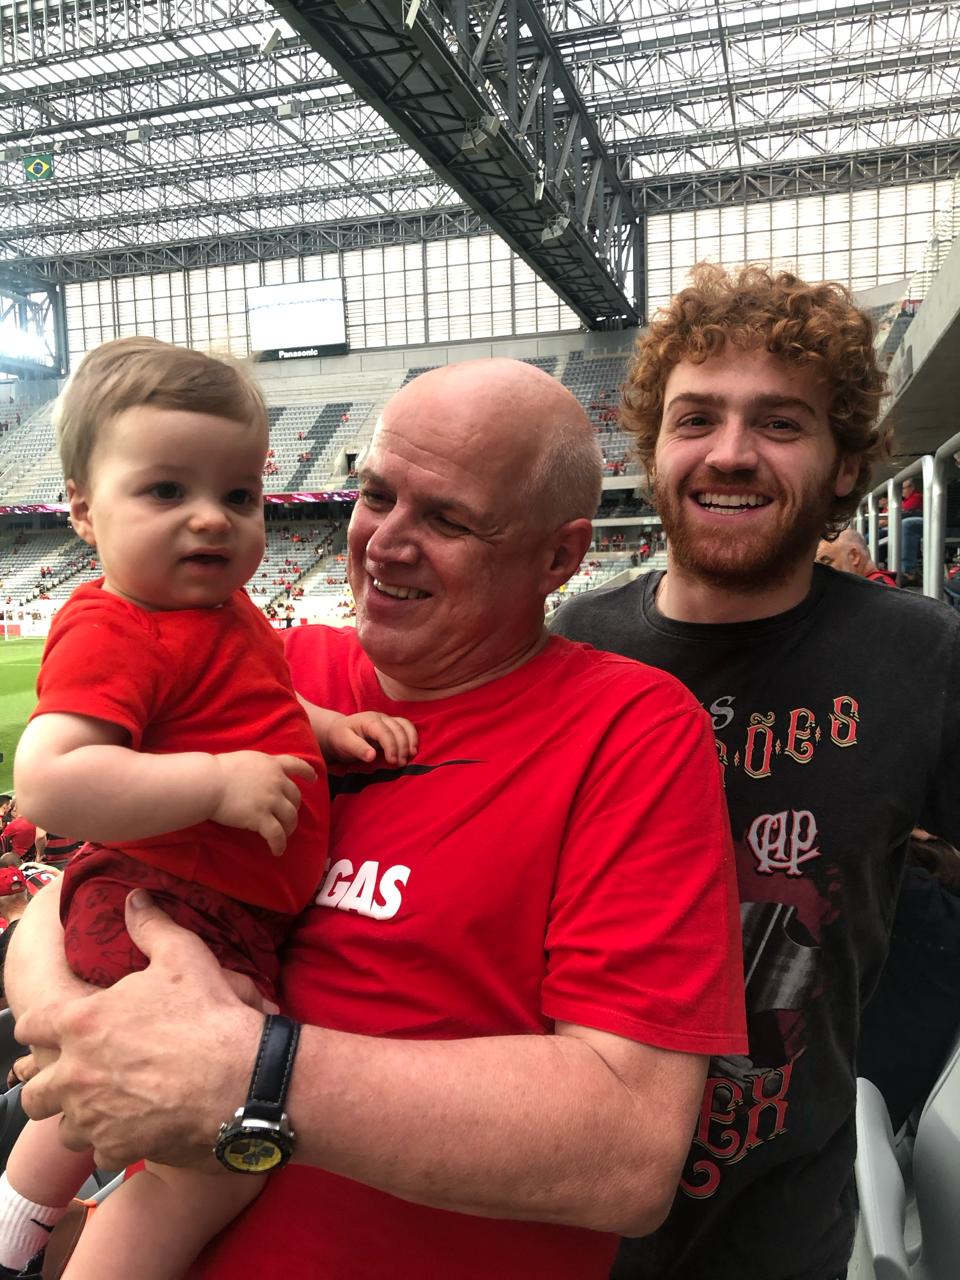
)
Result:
{"points": [[56, 851], [849, 552], [13, 902], [13, 895], [911, 533], [912, 1019], [19, 835]]}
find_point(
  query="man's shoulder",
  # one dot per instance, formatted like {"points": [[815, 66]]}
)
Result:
{"points": [[878, 604], [582, 611], [319, 643], [609, 682]]}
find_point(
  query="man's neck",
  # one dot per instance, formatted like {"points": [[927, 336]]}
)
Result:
{"points": [[410, 689], [683, 597]]}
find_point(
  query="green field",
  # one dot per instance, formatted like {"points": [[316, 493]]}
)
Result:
{"points": [[19, 660]]}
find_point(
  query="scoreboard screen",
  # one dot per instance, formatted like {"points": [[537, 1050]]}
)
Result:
{"points": [[295, 321]]}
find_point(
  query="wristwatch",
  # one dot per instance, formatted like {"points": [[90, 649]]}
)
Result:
{"points": [[259, 1138]]}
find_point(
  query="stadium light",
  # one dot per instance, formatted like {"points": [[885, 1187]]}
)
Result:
{"points": [[289, 110], [270, 43], [554, 230], [140, 133], [479, 134]]}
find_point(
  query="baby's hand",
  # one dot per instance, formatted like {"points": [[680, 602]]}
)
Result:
{"points": [[258, 793], [350, 738]]}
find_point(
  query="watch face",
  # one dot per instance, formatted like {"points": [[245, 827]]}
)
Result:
{"points": [[252, 1153]]}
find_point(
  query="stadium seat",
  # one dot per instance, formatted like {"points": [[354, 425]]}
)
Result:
{"points": [[12, 1119], [10, 1050], [887, 1177]]}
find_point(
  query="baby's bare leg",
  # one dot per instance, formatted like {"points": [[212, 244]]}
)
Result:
{"points": [[42, 1169], [40, 1180], [158, 1221]]}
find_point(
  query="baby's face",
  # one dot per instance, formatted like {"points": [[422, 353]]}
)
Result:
{"points": [[174, 506]]}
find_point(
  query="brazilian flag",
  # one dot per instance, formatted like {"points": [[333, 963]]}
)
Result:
{"points": [[37, 168]]}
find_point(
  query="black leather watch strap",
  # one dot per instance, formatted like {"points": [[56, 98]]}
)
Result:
{"points": [[271, 1071]]}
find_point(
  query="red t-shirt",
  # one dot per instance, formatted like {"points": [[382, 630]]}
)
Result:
{"points": [[20, 836], [558, 850], [880, 575], [912, 505], [211, 680]]}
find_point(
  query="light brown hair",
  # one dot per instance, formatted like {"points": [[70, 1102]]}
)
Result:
{"points": [[815, 325], [129, 372]]}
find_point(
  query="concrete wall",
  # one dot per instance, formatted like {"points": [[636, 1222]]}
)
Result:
{"points": [[387, 360], [940, 308]]}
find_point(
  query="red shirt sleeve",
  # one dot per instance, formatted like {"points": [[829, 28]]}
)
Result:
{"points": [[102, 661], [645, 913]]}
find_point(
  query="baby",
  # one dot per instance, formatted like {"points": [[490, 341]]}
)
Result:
{"points": [[167, 734]]}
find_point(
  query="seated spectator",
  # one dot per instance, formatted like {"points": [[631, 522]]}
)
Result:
{"points": [[19, 835], [56, 851], [913, 1018], [13, 902], [849, 552], [911, 533]]}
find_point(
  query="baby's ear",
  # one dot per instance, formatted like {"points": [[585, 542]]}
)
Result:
{"points": [[80, 515]]}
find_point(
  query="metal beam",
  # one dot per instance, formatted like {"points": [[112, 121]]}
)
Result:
{"points": [[865, 171], [815, 132], [425, 83], [579, 45], [755, 81], [261, 246]]}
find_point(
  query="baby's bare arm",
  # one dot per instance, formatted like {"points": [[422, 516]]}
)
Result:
{"points": [[73, 775], [357, 737]]}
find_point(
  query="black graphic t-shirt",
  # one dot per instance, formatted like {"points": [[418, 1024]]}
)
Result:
{"points": [[838, 730]]}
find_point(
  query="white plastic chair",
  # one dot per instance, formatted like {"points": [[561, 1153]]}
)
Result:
{"points": [[933, 1181]]}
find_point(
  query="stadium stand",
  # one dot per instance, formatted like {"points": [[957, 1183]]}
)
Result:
{"points": [[300, 438], [319, 423]]}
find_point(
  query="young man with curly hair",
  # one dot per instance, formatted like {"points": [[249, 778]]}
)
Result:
{"points": [[753, 401]]}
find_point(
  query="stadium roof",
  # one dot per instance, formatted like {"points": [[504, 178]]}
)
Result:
{"points": [[153, 133]]}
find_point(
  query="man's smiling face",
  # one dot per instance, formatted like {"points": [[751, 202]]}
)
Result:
{"points": [[446, 565], [746, 468]]}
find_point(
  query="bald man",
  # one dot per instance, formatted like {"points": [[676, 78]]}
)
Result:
{"points": [[525, 943], [849, 552]]}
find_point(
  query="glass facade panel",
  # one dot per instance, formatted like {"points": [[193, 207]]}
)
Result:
{"points": [[861, 239]]}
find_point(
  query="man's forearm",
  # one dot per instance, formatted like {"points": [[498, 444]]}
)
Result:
{"points": [[532, 1127], [579, 1128]]}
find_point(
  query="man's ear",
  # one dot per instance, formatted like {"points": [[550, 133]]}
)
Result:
{"points": [[80, 515], [847, 473], [569, 545]]}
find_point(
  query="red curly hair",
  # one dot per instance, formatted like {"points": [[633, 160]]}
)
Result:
{"points": [[806, 324]]}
